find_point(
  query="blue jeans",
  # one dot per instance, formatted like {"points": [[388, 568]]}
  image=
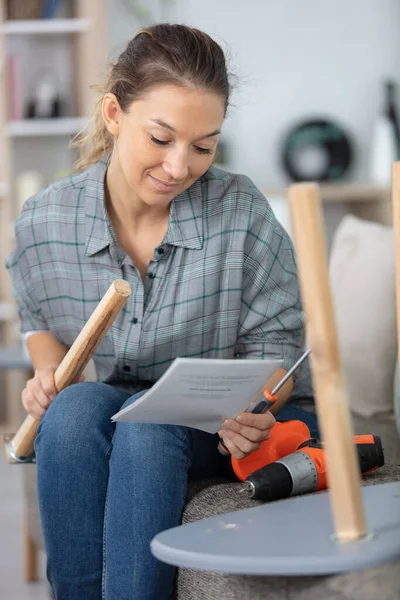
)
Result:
{"points": [[106, 489]]}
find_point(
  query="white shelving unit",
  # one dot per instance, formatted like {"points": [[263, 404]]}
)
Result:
{"points": [[45, 127], [75, 50], [45, 26]]}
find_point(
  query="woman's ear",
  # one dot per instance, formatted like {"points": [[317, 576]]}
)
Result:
{"points": [[111, 112]]}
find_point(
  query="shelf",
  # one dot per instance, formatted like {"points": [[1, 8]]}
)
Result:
{"points": [[44, 26], [45, 127], [339, 192], [14, 357]]}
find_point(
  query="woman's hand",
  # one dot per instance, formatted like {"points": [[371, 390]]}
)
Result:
{"points": [[40, 391], [246, 433]]}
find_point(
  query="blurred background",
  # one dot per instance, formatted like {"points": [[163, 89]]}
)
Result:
{"points": [[315, 98]]}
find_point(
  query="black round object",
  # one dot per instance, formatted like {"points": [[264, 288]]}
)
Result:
{"points": [[317, 150]]}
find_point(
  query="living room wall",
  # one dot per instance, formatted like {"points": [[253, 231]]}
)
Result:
{"points": [[295, 60]]}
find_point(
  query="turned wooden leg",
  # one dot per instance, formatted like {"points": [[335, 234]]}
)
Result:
{"points": [[330, 392], [31, 556]]}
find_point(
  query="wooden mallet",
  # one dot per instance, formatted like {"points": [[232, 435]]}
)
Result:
{"points": [[20, 447]]}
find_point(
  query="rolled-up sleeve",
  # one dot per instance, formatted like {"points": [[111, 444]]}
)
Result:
{"points": [[272, 323], [31, 318]]}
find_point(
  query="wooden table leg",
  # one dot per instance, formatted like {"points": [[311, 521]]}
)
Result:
{"points": [[30, 557]]}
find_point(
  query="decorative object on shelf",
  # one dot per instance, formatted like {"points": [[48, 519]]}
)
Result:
{"points": [[50, 8], [391, 111], [317, 150], [23, 9], [14, 87], [385, 145], [45, 101], [27, 184]]}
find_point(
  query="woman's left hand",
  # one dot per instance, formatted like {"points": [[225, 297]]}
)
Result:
{"points": [[246, 433]]}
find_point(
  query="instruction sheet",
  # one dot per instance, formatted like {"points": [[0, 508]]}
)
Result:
{"points": [[200, 393]]}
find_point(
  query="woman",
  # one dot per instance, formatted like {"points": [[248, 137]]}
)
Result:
{"points": [[212, 275]]}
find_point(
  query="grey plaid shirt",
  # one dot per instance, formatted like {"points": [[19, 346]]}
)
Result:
{"points": [[222, 283]]}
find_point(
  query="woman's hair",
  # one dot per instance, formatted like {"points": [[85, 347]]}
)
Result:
{"points": [[158, 55]]}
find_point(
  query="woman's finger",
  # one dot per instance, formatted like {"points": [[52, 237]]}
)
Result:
{"points": [[38, 394], [47, 383], [233, 449], [263, 421], [31, 405], [251, 433], [243, 444]]}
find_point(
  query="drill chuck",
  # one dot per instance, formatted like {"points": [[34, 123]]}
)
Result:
{"points": [[272, 482], [249, 488]]}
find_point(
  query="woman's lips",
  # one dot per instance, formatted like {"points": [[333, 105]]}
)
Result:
{"points": [[163, 187]]}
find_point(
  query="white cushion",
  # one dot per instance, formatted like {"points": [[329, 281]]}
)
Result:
{"points": [[362, 273]]}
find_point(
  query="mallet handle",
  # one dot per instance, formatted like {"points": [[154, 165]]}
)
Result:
{"points": [[77, 356], [331, 398]]}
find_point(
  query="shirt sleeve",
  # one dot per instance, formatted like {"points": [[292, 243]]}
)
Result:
{"points": [[31, 318], [272, 323]]}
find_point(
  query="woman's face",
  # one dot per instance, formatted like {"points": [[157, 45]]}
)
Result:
{"points": [[165, 141]]}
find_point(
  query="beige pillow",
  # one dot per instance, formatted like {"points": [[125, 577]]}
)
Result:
{"points": [[362, 274]]}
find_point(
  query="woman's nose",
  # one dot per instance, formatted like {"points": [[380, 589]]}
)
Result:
{"points": [[176, 165]]}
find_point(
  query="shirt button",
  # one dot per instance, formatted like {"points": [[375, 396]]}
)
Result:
{"points": [[126, 368], [160, 250], [151, 275], [134, 320]]}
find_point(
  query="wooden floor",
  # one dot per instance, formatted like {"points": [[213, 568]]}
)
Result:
{"points": [[12, 586]]}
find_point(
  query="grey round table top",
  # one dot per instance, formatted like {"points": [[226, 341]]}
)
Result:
{"points": [[288, 537]]}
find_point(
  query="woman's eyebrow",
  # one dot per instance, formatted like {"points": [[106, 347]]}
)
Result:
{"points": [[164, 124]]}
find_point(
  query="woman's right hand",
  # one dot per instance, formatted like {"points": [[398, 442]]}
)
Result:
{"points": [[40, 391]]}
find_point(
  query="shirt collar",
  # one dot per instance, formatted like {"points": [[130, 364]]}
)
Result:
{"points": [[98, 234], [185, 226]]}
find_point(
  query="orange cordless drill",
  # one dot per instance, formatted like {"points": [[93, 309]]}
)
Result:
{"points": [[304, 470]]}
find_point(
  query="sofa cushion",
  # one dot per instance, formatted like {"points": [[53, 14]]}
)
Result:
{"points": [[362, 273]]}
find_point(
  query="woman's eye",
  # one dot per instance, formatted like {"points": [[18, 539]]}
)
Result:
{"points": [[164, 143], [202, 150], [158, 142]]}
